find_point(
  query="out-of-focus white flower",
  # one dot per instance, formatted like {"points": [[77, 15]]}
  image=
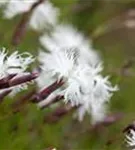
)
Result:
{"points": [[44, 15], [15, 63], [67, 37], [84, 85], [130, 139], [14, 7]]}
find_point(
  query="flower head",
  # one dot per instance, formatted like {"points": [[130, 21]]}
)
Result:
{"points": [[14, 64], [91, 91], [84, 85], [72, 59], [96, 102]]}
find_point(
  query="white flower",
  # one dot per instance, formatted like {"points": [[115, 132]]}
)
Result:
{"points": [[72, 59], [130, 139], [14, 64], [14, 7], [44, 15], [67, 37], [84, 85], [95, 103], [91, 91]]}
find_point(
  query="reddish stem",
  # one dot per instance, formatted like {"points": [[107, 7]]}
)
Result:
{"points": [[19, 79], [14, 79]]}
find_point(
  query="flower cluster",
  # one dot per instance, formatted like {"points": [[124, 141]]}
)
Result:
{"points": [[72, 60]]}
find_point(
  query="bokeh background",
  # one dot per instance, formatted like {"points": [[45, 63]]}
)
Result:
{"points": [[110, 24]]}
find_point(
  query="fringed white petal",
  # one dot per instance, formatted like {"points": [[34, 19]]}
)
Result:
{"points": [[72, 93], [64, 63]]}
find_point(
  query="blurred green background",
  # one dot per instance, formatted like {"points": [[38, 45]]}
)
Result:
{"points": [[111, 26]]}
